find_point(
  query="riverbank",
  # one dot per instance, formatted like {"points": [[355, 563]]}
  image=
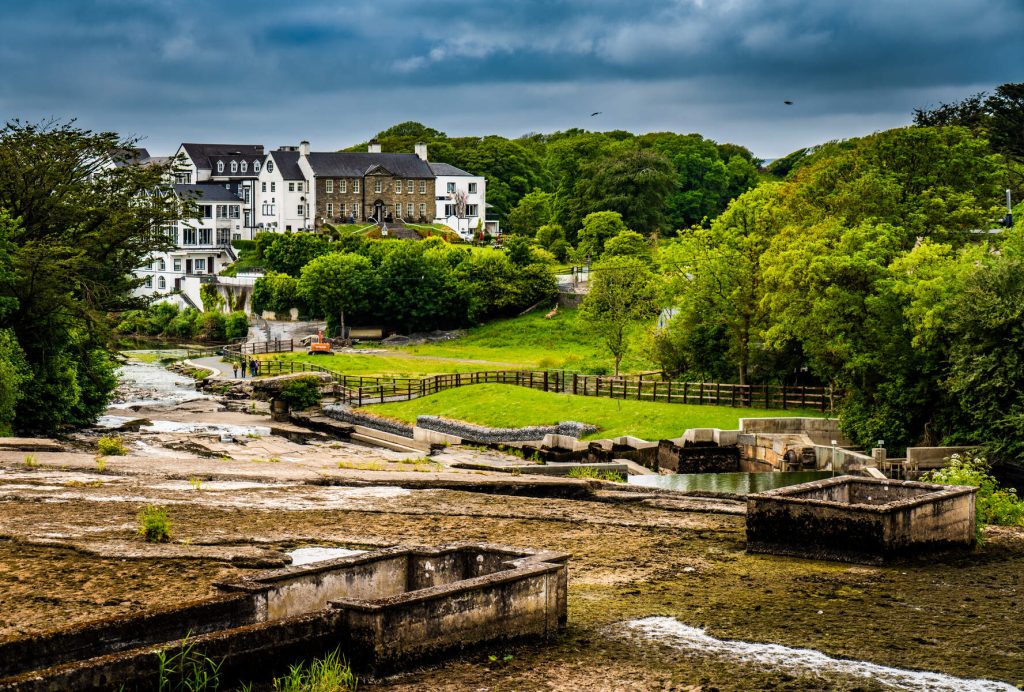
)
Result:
{"points": [[69, 553]]}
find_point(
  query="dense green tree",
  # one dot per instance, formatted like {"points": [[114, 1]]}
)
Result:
{"points": [[290, 252], [336, 283], [548, 234], [531, 212], [518, 249], [416, 293], [635, 183], [276, 292], [627, 243], [597, 228], [82, 224], [622, 294]]}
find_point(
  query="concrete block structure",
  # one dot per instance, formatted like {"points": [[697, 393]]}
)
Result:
{"points": [[854, 519]]}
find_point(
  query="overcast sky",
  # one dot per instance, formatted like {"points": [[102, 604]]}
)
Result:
{"points": [[335, 72]]}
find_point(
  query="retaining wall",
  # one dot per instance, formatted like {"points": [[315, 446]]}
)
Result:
{"points": [[346, 415], [484, 435]]}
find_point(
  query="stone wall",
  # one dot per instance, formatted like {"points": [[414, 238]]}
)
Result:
{"points": [[346, 415], [679, 458], [484, 435]]}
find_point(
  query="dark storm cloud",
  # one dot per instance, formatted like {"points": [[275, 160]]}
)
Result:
{"points": [[337, 72]]}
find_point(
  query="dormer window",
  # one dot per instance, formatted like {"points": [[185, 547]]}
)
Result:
{"points": [[234, 166], [220, 166], [270, 166], [255, 166], [243, 166]]}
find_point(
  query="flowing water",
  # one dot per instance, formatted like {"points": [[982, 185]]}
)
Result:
{"points": [[731, 483], [145, 384], [806, 661]]}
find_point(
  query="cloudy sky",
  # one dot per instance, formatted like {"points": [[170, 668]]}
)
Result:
{"points": [[337, 71]]}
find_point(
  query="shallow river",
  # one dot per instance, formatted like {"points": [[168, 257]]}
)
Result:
{"points": [[733, 483]]}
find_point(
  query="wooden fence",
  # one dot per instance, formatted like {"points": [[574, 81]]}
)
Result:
{"points": [[360, 391], [255, 348]]}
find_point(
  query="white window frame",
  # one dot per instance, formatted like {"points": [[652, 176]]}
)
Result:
{"points": [[177, 264], [270, 166], [409, 210], [330, 210], [234, 166], [398, 187], [220, 166], [329, 187], [302, 210], [398, 210], [264, 188], [423, 187], [291, 187], [355, 186], [199, 265], [378, 186], [423, 209], [255, 166], [273, 186], [450, 188], [243, 166], [343, 186], [161, 283], [472, 188]]}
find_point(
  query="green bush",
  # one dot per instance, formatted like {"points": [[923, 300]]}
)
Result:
{"points": [[112, 446], [993, 505], [212, 326], [154, 524], [301, 392], [236, 326]]}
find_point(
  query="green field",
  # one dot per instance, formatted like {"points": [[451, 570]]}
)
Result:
{"points": [[511, 406], [534, 342], [384, 365]]}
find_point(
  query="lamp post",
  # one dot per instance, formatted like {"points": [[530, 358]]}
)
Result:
{"points": [[833, 458]]}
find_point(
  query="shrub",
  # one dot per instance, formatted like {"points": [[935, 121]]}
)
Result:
{"points": [[596, 474], [993, 505], [331, 673], [236, 326], [212, 326], [101, 464], [154, 524], [112, 446], [301, 392]]}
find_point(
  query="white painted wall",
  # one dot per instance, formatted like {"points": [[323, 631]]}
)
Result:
{"points": [[444, 196]]}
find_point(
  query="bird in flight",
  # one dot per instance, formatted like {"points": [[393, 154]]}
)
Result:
{"points": [[788, 103], [595, 113]]}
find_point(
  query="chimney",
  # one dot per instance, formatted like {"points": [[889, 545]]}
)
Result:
{"points": [[374, 147], [421, 150], [304, 148]]}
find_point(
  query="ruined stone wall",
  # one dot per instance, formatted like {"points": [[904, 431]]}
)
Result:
{"points": [[484, 435]]}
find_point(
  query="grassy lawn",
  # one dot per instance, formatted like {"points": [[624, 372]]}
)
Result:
{"points": [[385, 365], [535, 342], [511, 406]]}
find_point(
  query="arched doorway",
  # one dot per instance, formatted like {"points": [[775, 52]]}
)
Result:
{"points": [[379, 211]]}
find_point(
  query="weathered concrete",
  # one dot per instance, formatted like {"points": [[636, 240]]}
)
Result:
{"points": [[678, 457], [860, 519], [930, 458], [820, 430], [383, 609]]}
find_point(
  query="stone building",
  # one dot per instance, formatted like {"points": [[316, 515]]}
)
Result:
{"points": [[360, 187]]}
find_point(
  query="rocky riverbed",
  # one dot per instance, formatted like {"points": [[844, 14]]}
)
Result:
{"points": [[241, 499]]}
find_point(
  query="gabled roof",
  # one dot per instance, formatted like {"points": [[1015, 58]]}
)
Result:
{"points": [[207, 155], [347, 164], [287, 164], [206, 192], [448, 169]]}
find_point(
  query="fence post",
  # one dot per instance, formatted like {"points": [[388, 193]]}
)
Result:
{"points": [[686, 392], [545, 380], [700, 397], [783, 397], [668, 396]]}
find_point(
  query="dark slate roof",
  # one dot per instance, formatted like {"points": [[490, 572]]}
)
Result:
{"points": [[287, 162], [347, 164], [448, 169], [207, 155], [206, 192]]}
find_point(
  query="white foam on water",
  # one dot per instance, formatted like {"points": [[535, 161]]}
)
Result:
{"points": [[170, 426], [304, 556], [152, 383], [694, 639]]}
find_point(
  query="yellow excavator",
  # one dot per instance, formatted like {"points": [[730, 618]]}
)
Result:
{"points": [[317, 344]]}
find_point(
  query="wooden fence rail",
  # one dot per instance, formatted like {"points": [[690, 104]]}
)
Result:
{"points": [[361, 390]]}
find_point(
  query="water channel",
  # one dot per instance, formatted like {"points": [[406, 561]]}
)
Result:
{"points": [[731, 483]]}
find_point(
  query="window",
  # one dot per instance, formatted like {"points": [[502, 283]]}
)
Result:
{"points": [[149, 282], [291, 187], [398, 209], [233, 211], [183, 178], [355, 186], [222, 211], [172, 234], [264, 188], [344, 209], [243, 166], [223, 237], [329, 186], [247, 194], [161, 265], [161, 283], [423, 209], [301, 211], [300, 186], [236, 236], [255, 169], [378, 185], [330, 210], [246, 221], [449, 210], [408, 210], [471, 210], [343, 186], [270, 166], [177, 265], [423, 187], [451, 188], [269, 209], [234, 166], [205, 211], [398, 187], [273, 186], [188, 236], [205, 236], [472, 188], [199, 265], [220, 166]]}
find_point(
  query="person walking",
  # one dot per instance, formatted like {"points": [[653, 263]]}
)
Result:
{"points": [[234, 366], [252, 367]]}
